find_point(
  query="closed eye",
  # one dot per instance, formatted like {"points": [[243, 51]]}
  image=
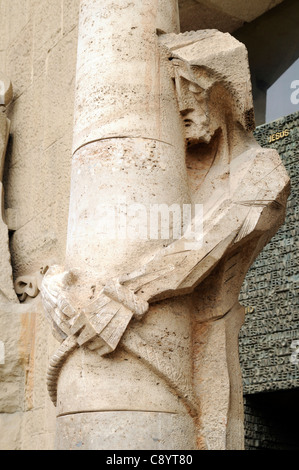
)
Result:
{"points": [[196, 89]]}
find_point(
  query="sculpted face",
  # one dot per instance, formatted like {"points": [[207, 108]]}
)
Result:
{"points": [[193, 86]]}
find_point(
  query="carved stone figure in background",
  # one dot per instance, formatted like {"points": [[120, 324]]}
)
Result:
{"points": [[29, 285], [186, 298], [7, 293]]}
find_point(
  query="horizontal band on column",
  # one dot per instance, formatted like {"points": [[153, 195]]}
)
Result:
{"points": [[70, 413], [119, 137]]}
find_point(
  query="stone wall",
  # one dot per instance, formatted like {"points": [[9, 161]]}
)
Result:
{"points": [[38, 53]]}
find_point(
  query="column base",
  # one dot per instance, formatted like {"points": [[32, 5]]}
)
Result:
{"points": [[125, 430]]}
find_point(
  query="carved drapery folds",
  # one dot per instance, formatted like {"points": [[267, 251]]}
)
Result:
{"points": [[243, 190]]}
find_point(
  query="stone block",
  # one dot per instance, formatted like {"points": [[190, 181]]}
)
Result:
{"points": [[47, 24], [18, 14], [19, 60], [10, 437], [70, 15], [60, 85]]}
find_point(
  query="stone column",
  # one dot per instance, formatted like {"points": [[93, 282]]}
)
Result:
{"points": [[128, 141], [128, 148]]}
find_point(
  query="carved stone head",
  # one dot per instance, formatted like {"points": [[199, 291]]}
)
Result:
{"points": [[193, 86], [212, 79]]}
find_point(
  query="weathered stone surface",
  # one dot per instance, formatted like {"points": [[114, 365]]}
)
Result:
{"points": [[11, 438], [36, 182], [70, 10], [114, 429], [26, 412], [19, 59], [60, 89]]}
